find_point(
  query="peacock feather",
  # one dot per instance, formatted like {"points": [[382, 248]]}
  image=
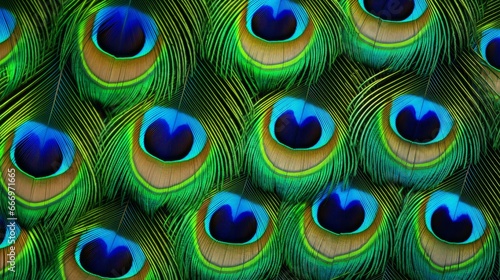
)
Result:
{"points": [[233, 235], [409, 34], [24, 252], [298, 138], [48, 140], [342, 230], [172, 152], [451, 232], [488, 46], [249, 139], [114, 241], [275, 43], [119, 48], [416, 130], [24, 31]]}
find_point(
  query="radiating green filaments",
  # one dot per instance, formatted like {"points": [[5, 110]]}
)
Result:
{"points": [[274, 43], [342, 232]]}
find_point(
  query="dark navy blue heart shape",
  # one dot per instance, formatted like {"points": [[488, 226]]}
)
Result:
{"points": [[167, 146], [295, 136], [444, 227], [267, 27], [95, 259], [37, 160], [333, 217], [121, 35], [421, 130], [393, 10], [226, 229]]}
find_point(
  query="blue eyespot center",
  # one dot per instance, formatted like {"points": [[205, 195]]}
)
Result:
{"points": [[170, 135], [106, 254], [96, 259], [168, 145], [418, 120], [335, 218], [124, 32], [451, 230], [421, 130], [345, 210], [225, 228], [273, 28], [121, 35], [493, 53], [297, 136], [36, 158], [452, 220], [392, 10]]}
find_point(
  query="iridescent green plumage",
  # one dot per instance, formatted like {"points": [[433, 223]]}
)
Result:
{"points": [[233, 235], [119, 49], [24, 33], [172, 152], [24, 252], [275, 43], [298, 138], [114, 240], [346, 233], [451, 232], [487, 47], [49, 137]]}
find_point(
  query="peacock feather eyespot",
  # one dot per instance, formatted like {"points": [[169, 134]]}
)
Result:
{"points": [[169, 141], [170, 135], [299, 125], [408, 34], [232, 235], [276, 21], [444, 236], [490, 47], [9, 33], [293, 140], [419, 121], [277, 43], [453, 221], [104, 253], [235, 220], [120, 35], [40, 151], [339, 232]]}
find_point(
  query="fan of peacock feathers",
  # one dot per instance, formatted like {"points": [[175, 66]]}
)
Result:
{"points": [[250, 139]]}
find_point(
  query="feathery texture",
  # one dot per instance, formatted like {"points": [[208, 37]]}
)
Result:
{"points": [[173, 152], [275, 43], [451, 232], [24, 33], [417, 130], [49, 137], [409, 34], [114, 240], [119, 49], [342, 231], [233, 235]]}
